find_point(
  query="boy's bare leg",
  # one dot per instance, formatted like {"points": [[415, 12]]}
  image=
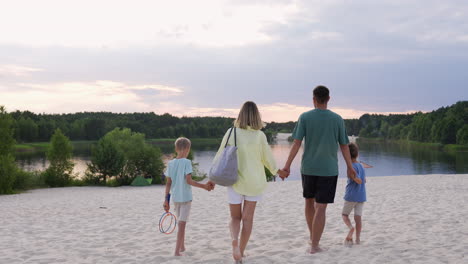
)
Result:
{"points": [[236, 217], [349, 237], [317, 226], [357, 219], [247, 224], [180, 238], [309, 214], [182, 247]]}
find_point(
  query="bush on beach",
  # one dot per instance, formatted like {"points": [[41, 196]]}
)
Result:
{"points": [[26, 180], [7, 173], [7, 161]]}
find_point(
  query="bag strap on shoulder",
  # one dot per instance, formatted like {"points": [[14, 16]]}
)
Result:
{"points": [[229, 136]]}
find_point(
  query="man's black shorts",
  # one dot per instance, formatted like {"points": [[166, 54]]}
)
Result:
{"points": [[322, 188]]}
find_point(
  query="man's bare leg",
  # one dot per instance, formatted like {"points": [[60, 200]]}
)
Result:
{"points": [[357, 220], [349, 237], [317, 226], [234, 226], [309, 214]]}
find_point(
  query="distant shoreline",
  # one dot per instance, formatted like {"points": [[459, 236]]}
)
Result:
{"points": [[444, 147], [42, 146]]}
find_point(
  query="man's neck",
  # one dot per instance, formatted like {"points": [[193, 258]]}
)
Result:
{"points": [[321, 106]]}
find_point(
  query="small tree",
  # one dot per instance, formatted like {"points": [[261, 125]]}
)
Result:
{"points": [[7, 161], [106, 160], [59, 154], [132, 157]]}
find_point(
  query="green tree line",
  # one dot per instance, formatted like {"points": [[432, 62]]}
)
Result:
{"points": [[32, 127], [446, 125]]}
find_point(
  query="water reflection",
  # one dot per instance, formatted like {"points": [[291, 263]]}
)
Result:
{"points": [[388, 159]]}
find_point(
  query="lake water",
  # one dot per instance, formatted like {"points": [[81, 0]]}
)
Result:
{"points": [[388, 159]]}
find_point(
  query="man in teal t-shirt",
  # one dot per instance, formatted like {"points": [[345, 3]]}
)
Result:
{"points": [[324, 131]]}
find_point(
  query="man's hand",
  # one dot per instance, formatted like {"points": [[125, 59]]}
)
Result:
{"points": [[166, 206]]}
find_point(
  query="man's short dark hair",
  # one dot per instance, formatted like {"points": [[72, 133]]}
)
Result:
{"points": [[353, 150], [321, 94]]}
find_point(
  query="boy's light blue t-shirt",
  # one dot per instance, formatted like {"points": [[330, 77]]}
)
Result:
{"points": [[356, 192], [177, 169]]}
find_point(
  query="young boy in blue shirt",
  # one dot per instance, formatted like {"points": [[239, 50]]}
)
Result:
{"points": [[355, 197], [179, 182]]}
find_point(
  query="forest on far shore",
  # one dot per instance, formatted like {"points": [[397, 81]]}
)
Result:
{"points": [[446, 125]]}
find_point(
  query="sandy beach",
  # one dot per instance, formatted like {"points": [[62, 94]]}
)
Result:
{"points": [[407, 219]]}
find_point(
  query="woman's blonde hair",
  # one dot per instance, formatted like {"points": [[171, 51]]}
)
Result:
{"points": [[249, 116]]}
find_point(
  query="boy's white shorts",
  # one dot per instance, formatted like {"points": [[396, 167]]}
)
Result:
{"points": [[182, 210], [236, 198], [349, 206]]}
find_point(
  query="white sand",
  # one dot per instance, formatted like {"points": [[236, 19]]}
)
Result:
{"points": [[408, 219]]}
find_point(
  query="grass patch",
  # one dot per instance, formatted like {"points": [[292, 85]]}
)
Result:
{"points": [[432, 145], [456, 148]]}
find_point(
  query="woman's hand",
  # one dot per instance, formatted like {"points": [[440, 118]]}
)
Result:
{"points": [[211, 185]]}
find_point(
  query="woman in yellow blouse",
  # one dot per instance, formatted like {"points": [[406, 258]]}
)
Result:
{"points": [[253, 154]]}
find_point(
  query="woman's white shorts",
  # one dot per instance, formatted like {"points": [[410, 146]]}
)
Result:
{"points": [[236, 198]]}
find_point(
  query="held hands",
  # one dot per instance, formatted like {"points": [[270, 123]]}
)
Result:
{"points": [[166, 206], [284, 173], [353, 176], [209, 186]]}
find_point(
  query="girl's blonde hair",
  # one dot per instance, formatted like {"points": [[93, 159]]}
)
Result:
{"points": [[249, 116]]}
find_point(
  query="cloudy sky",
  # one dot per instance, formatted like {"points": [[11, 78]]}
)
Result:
{"points": [[208, 57]]}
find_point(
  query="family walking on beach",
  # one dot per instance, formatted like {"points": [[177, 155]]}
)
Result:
{"points": [[322, 131]]}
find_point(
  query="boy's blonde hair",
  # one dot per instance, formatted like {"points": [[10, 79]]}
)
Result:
{"points": [[182, 143], [249, 116]]}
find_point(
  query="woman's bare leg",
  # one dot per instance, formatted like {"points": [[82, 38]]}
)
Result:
{"points": [[247, 224], [234, 226]]}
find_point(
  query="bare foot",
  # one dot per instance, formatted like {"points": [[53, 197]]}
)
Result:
{"points": [[178, 254], [358, 240], [314, 250], [349, 237], [236, 253]]}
